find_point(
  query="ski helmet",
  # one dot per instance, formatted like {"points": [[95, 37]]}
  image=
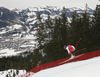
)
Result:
{"points": [[64, 46]]}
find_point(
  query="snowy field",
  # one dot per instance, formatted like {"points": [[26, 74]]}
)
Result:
{"points": [[14, 41], [86, 68], [12, 73]]}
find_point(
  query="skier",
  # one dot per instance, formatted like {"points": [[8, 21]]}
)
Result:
{"points": [[70, 50]]}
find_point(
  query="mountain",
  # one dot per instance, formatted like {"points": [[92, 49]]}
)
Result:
{"points": [[7, 17], [29, 15], [17, 27]]}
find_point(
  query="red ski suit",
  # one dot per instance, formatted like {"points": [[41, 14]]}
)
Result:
{"points": [[70, 49]]}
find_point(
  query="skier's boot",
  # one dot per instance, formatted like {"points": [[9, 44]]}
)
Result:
{"points": [[72, 56]]}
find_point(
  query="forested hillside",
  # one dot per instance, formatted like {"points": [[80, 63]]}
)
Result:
{"points": [[54, 34]]}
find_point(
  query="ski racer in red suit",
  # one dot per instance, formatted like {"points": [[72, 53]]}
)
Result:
{"points": [[70, 49]]}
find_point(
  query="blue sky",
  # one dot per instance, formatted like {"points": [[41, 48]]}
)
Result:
{"points": [[20, 4]]}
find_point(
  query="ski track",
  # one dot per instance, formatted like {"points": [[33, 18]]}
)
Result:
{"points": [[75, 64], [70, 69]]}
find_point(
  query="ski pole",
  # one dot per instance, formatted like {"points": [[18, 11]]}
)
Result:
{"points": [[78, 42], [80, 50]]}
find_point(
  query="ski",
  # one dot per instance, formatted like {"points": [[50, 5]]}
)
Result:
{"points": [[71, 58]]}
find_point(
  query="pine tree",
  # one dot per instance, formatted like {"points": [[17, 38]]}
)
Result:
{"points": [[85, 29], [14, 74], [40, 32], [64, 33], [41, 38], [74, 28], [37, 57], [11, 65], [7, 75], [54, 48], [96, 28], [64, 27], [49, 29], [17, 71], [80, 28]]}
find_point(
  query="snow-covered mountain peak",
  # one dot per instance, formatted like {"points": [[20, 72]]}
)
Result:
{"points": [[41, 8], [29, 15]]}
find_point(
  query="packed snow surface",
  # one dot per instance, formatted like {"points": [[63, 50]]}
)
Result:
{"points": [[10, 72], [85, 68]]}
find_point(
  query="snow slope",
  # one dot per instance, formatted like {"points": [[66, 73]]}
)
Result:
{"points": [[85, 68], [11, 72]]}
